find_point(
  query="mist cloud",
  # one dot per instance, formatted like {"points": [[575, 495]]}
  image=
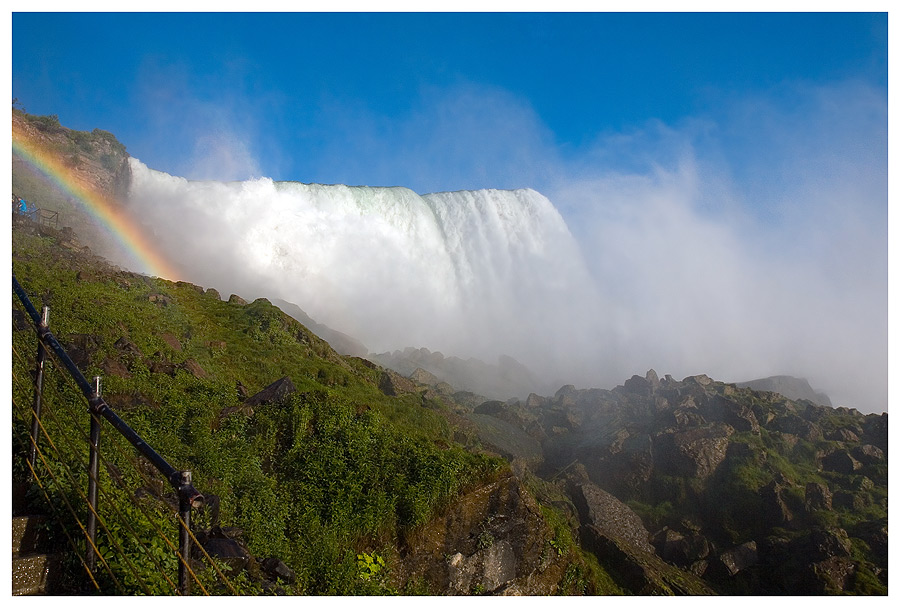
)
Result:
{"points": [[743, 243], [770, 261]]}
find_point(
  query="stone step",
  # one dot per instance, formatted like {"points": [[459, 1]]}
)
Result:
{"points": [[27, 533], [33, 574]]}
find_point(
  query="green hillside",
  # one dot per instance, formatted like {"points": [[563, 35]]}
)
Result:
{"points": [[335, 467]]}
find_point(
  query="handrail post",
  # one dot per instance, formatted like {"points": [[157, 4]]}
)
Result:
{"points": [[93, 476], [186, 497], [38, 391]]}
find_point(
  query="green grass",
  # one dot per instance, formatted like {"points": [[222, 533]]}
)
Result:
{"points": [[336, 466]]}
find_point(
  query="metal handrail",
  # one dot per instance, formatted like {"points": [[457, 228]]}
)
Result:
{"points": [[188, 496]]}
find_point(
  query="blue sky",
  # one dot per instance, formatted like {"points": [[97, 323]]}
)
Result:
{"points": [[327, 97], [725, 175]]}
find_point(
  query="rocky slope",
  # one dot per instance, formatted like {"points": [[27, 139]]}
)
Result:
{"points": [[741, 491]]}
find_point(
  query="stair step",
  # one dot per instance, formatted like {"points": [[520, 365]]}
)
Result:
{"points": [[27, 533], [31, 574]]}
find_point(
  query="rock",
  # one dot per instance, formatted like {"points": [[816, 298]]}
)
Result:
{"points": [[194, 369], [393, 384], [834, 574], [81, 349], [111, 367], [21, 321], [161, 365], [159, 299], [277, 569], [640, 572], [128, 350], [491, 539], [229, 551], [737, 415], [736, 559], [274, 393], [187, 285], [611, 517], [818, 497], [680, 549], [775, 508], [868, 454], [422, 376], [171, 340], [638, 386], [790, 387], [841, 461], [843, 434], [696, 452], [701, 379], [849, 500], [492, 567], [795, 425], [237, 300], [687, 417], [213, 293]]}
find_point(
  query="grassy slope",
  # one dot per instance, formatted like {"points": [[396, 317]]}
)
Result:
{"points": [[336, 468]]}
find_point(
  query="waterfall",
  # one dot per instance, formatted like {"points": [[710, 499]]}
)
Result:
{"points": [[471, 273]]}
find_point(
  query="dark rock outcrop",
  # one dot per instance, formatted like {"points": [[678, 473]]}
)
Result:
{"points": [[491, 540], [790, 387]]}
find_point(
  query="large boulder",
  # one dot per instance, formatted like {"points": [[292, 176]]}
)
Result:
{"points": [[274, 393], [611, 518], [695, 452], [491, 540]]}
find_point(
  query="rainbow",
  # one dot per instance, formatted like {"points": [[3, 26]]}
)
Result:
{"points": [[108, 214]]}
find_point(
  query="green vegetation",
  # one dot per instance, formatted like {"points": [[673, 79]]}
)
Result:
{"points": [[332, 472]]}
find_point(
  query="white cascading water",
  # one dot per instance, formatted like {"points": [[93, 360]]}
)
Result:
{"points": [[470, 274]]}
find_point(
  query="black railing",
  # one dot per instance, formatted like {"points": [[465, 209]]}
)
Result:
{"points": [[188, 496]]}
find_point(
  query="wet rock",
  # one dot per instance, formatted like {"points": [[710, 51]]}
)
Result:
{"points": [[611, 517], [736, 559], [841, 461], [220, 546], [276, 569], [843, 434], [775, 507], [832, 575], [795, 425], [818, 497], [274, 393], [696, 452], [868, 454], [492, 539], [683, 550], [485, 571]]}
